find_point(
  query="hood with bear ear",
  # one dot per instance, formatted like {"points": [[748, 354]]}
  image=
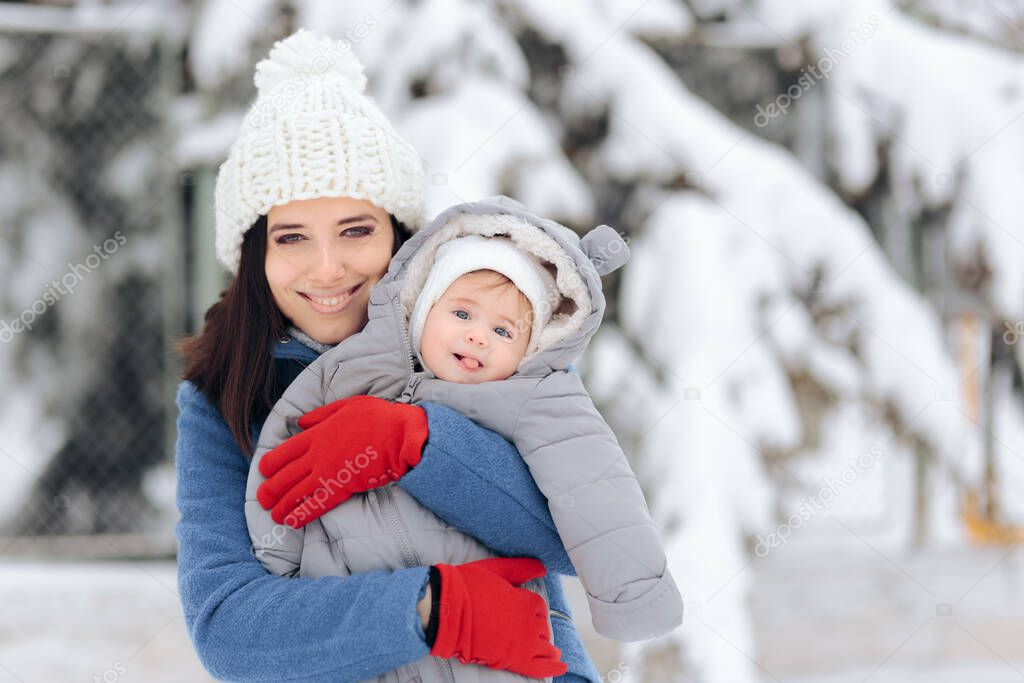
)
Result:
{"points": [[576, 263]]}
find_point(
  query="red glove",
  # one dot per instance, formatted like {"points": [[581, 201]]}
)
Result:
{"points": [[484, 618], [346, 447]]}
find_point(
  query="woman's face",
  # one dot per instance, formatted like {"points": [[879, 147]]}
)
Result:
{"points": [[323, 257]]}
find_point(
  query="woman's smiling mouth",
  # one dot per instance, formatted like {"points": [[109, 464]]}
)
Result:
{"points": [[332, 304]]}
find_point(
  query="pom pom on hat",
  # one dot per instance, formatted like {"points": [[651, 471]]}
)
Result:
{"points": [[305, 55]]}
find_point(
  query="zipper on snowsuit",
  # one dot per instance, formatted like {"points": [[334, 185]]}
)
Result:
{"points": [[385, 498], [389, 509], [414, 377]]}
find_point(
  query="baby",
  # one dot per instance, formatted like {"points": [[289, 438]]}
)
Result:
{"points": [[494, 303]]}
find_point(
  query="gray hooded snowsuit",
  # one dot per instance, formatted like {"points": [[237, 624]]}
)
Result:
{"points": [[593, 495]]}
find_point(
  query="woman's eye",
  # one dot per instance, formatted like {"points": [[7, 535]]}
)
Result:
{"points": [[462, 315], [355, 233]]}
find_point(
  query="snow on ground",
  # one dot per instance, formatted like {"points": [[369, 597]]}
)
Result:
{"points": [[975, 673], [93, 622], [822, 615], [832, 611]]}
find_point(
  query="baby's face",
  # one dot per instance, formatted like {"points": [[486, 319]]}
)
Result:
{"points": [[476, 332]]}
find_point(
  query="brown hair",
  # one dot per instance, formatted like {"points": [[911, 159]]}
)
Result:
{"points": [[243, 384]]}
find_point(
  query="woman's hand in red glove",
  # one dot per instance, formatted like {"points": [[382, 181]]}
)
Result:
{"points": [[485, 617], [346, 447]]}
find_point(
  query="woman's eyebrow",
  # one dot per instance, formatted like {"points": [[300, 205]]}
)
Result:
{"points": [[355, 219], [343, 221]]}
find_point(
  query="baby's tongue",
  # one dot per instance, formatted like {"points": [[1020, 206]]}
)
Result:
{"points": [[471, 363]]}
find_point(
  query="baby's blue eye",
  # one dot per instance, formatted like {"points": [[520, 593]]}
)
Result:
{"points": [[461, 314], [503, 332]]}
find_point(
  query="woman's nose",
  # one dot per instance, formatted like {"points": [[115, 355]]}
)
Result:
{"points": [[330, 264]]}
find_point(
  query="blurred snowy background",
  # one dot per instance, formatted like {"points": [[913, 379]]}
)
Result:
{"points": [[814, 359]]}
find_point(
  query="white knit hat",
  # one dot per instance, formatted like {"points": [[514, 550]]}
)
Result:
{"points": [[473, 252], [312, 133]]}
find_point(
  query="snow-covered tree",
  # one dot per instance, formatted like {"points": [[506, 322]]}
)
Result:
{"points": [[780, 323]]}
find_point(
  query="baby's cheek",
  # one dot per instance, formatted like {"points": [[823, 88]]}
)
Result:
{"points": [[508, 366]]}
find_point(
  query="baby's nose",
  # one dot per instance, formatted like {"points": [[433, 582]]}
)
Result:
{"points": [[476, 337]]}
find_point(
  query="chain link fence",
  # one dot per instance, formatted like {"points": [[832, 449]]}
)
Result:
{"points": [[91, 288]]}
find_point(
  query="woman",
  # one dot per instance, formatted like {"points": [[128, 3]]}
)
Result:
{"points": [[315, 197]]}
